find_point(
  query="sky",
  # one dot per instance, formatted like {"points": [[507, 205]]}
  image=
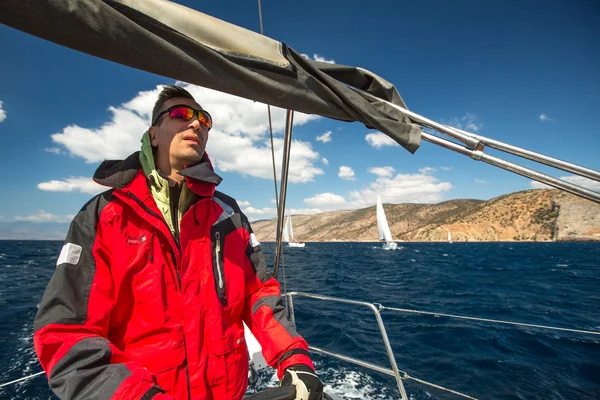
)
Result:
{"points": [[522, 72]]}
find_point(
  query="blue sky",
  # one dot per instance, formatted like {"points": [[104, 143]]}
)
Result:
{"points": [[525, 73]]}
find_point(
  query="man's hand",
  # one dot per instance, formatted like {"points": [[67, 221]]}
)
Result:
{"points": [[308, 385]]}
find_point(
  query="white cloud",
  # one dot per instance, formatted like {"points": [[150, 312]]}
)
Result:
{"points": [[43, 216], [72, 184], [243, 203], [322, 59], [471, 123], [403, 188], [378, 140], [427, 170], [446, 168], [324, 161], [327, 200], [481, 181], [54, 150], [346, 173], [242, 155], [544, 117], [260, 211], [116, 139], [317, 57], [468, 122], [325, 138], [577, 180], [2, 112], [382, 171], [255, 214], [304, 211], [237, 143]]}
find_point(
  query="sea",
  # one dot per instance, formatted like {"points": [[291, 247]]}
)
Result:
{"points": [[550, 284]]}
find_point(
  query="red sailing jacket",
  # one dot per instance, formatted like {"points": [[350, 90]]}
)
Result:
{"points": [[130, 313]]}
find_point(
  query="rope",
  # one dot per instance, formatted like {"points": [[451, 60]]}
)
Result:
{"points": [[488, 320], [21, 379]]}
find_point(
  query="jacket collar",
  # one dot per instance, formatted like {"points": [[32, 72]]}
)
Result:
{"points": [[201, 178]]}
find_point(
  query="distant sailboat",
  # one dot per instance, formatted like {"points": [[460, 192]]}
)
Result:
{"points": [[288, 234], [449, 237], [384, 230]]}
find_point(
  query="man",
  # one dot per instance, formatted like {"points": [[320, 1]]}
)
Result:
{"points": [[157, 275]]}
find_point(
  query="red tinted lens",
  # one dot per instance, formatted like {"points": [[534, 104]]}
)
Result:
{"points": [[205, 119], [183, 113]]}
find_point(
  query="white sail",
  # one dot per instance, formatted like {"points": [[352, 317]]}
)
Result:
{"points": [[382, 225], [449, 237], [286, 230], [291, 229], [288, 234]]}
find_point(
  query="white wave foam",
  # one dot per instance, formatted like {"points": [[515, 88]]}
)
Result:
{"points": [[340, 383]]}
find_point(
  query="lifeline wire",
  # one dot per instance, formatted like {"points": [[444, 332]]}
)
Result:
{"points": [[21, 379]]}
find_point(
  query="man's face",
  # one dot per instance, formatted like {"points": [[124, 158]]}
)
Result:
{"points": [[181, 142]]}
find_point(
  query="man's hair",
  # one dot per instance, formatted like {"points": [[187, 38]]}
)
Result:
{"points": [[169, 92]]}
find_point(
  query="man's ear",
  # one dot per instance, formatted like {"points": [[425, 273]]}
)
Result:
{"points": [[152, 133]]}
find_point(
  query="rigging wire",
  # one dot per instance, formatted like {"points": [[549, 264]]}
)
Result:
{"points": [[262, 32]]}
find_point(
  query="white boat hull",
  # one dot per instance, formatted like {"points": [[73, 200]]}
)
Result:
{"points": [[293, 244], [389, 246]]}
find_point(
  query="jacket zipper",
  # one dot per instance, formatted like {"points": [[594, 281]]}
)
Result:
{"points": [[149, 211], [217, 259], [218, 268], [175, 193]]}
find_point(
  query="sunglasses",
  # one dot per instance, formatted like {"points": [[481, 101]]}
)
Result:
{"points": [[186, 113]]}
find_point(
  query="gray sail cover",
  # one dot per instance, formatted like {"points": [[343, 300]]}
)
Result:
{"points": [[174, 41]]}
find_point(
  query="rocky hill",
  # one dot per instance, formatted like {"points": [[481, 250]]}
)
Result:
{"points": [[532, 215]]}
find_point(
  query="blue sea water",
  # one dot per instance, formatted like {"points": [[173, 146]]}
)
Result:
{"points": [[555, 284]]}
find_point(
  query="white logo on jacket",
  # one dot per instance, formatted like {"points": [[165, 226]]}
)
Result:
{"points": [[136, 239]]}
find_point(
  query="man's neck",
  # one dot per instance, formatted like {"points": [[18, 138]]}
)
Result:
{"points": [[171, 174]]}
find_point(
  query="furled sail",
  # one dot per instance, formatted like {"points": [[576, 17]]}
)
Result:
{"points": [[382, 225], [174, 41]]}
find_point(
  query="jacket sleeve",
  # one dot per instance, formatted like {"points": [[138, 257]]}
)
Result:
{"points": [[266, 316], [71, 326]]}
